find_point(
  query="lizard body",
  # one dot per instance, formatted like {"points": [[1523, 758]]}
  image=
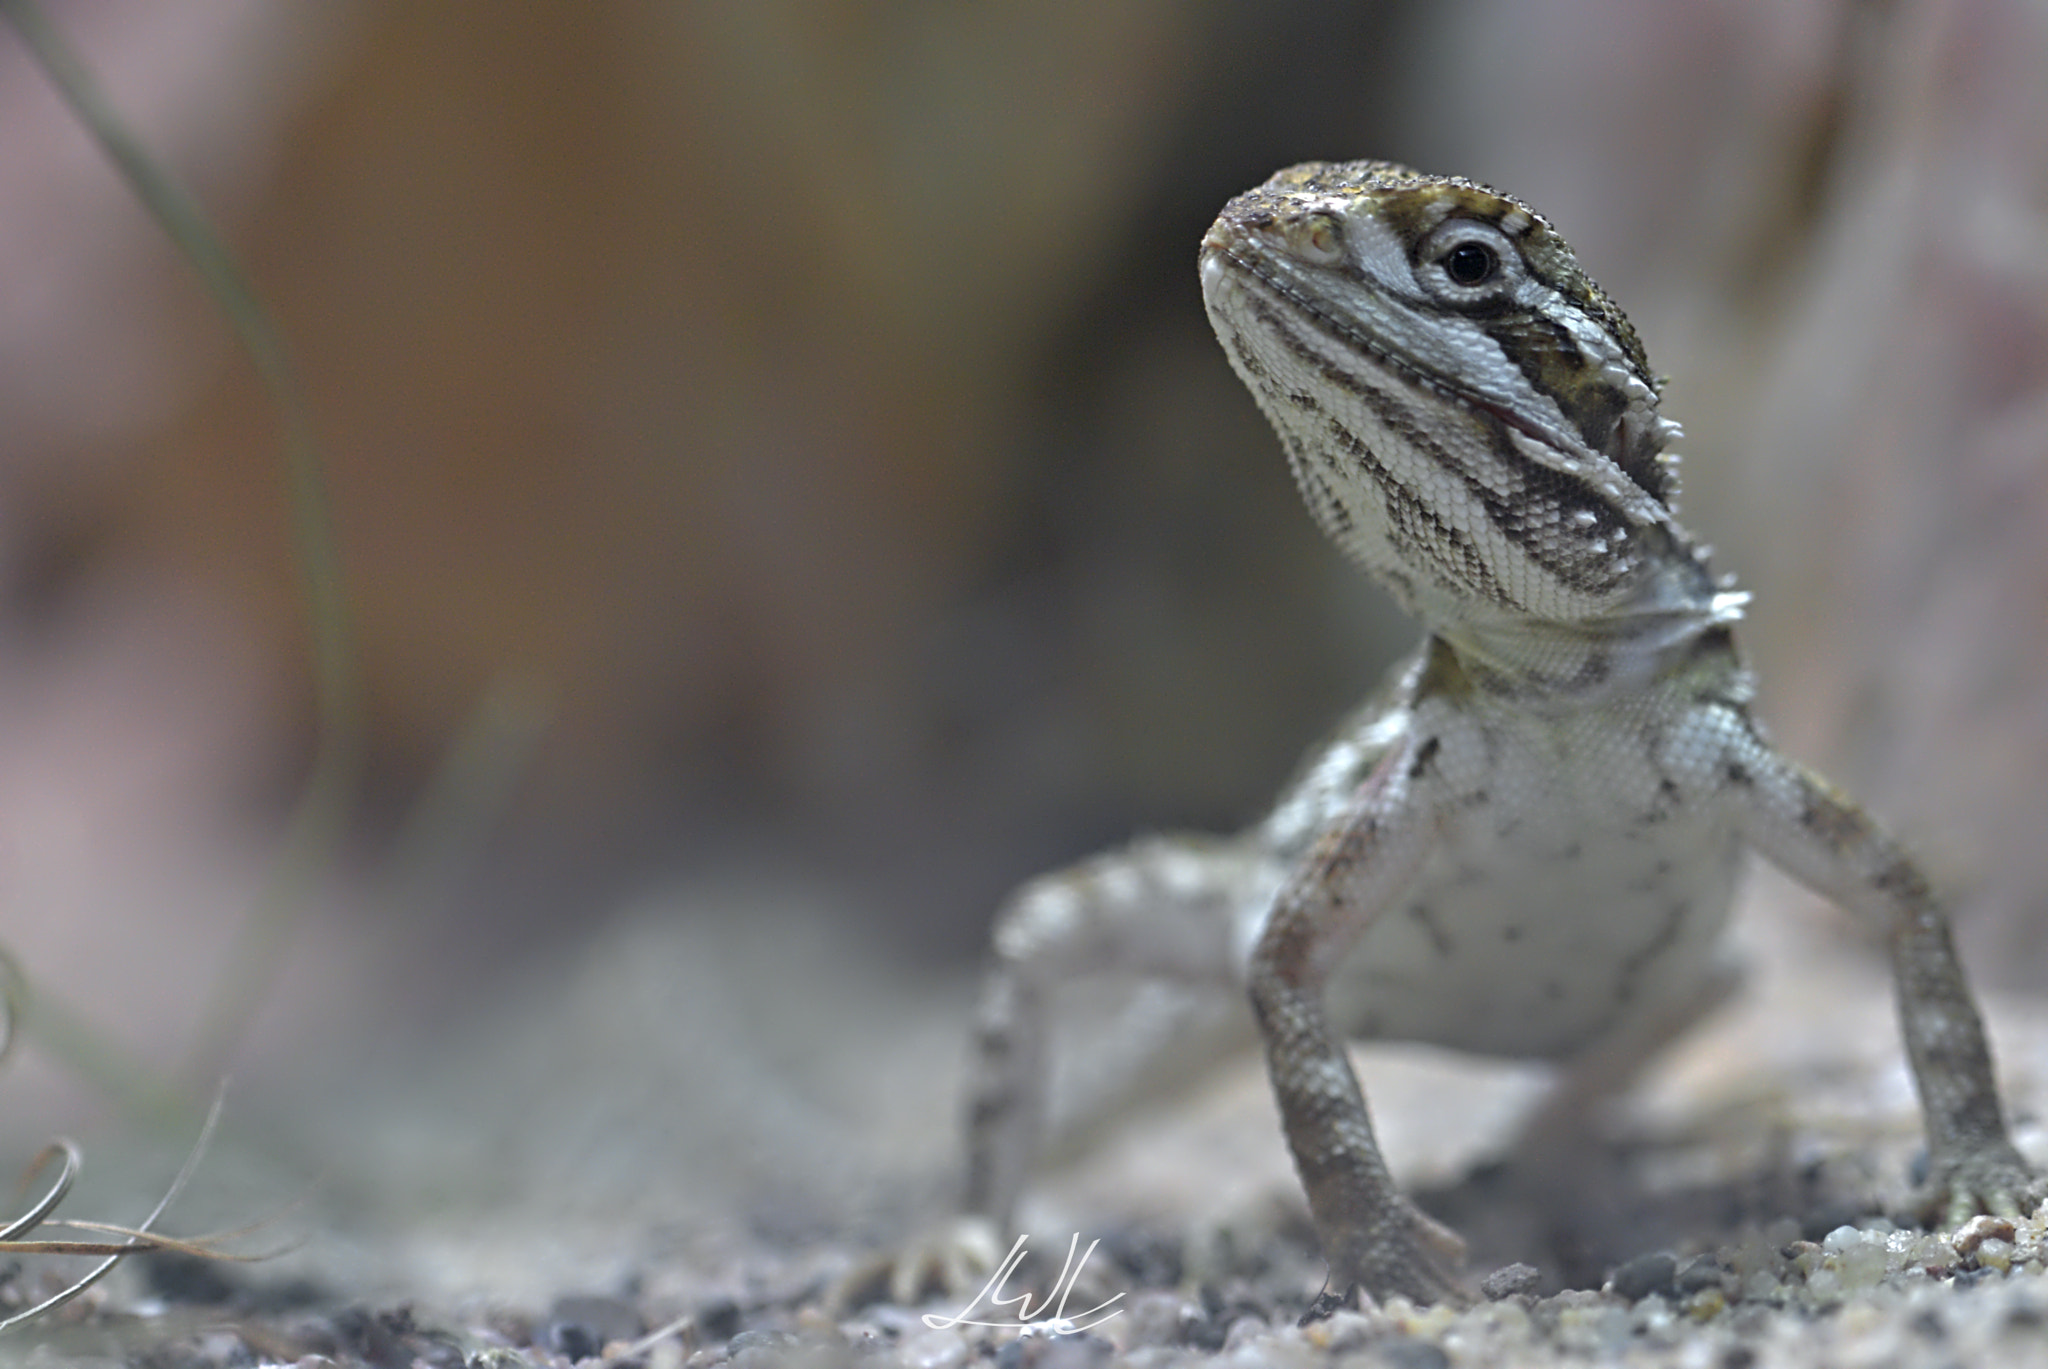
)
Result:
{"points": [[1528, 845]]}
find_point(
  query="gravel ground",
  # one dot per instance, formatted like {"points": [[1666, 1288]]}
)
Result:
{"points": [[702, 1126]]}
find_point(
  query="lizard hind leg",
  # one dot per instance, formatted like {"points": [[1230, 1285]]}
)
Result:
{"points": [[1165, 910], [1162, 1041]]}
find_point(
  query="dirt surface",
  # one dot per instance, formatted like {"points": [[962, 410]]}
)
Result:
{"points": [[703, 1123]]}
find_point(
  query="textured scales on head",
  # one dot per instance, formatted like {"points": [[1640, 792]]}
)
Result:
{"points": [[1466, 412]]}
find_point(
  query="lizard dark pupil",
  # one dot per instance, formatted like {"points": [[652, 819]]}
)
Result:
{"points": [[1471, 264]]}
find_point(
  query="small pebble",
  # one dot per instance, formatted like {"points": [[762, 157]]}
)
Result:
{"points": [[222, 1348], [438, 1354], [1995, 1254], [1201, 1331], [1243, 1329], [176, 1277], [1077, 1351], [1858, 1258], [1804, 1257], [1928, 1325], [1155, 1317], [1511, 1281], [1407, 1352], [748, 1342], [940, 1348], [1342, 1330], [508, 1325], [572, 1340], [1644, 1275], [1151, 1260], [1702, 1273], [606, 1318], [719, 1319], [1817, 1224], [1978, 1229]]}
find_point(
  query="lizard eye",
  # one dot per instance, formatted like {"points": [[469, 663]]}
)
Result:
{"points": [[1471, 263], [1467, 263]]}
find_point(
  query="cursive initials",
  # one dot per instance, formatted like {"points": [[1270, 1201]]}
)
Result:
{"points": [[1057, 1321]]}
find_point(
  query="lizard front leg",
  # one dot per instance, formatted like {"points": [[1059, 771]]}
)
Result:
{"points": [[1824, 839], [1372, 1236]]}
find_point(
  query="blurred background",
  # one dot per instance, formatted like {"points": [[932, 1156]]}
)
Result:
{"points": [[780, 439]]}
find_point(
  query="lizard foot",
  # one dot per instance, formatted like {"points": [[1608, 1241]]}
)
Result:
{"points": [[951, 1259], [1995, 1179], [1408, 1254]]}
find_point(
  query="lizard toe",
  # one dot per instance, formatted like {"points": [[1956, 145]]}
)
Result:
{"points": [[1996, 1180], [1413, 1256], [950, 1259]]}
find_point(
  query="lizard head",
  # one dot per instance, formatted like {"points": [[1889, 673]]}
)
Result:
{"points": [[1466, 413]]}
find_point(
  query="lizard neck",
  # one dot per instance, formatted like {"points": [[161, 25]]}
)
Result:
{"points": [[1638, 643]]}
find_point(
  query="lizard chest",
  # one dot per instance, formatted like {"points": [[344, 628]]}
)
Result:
{"points": [[1576, 884]]}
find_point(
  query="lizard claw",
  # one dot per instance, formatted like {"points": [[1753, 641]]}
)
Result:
{"points": [[1994, 1180], [951, 1259]]}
